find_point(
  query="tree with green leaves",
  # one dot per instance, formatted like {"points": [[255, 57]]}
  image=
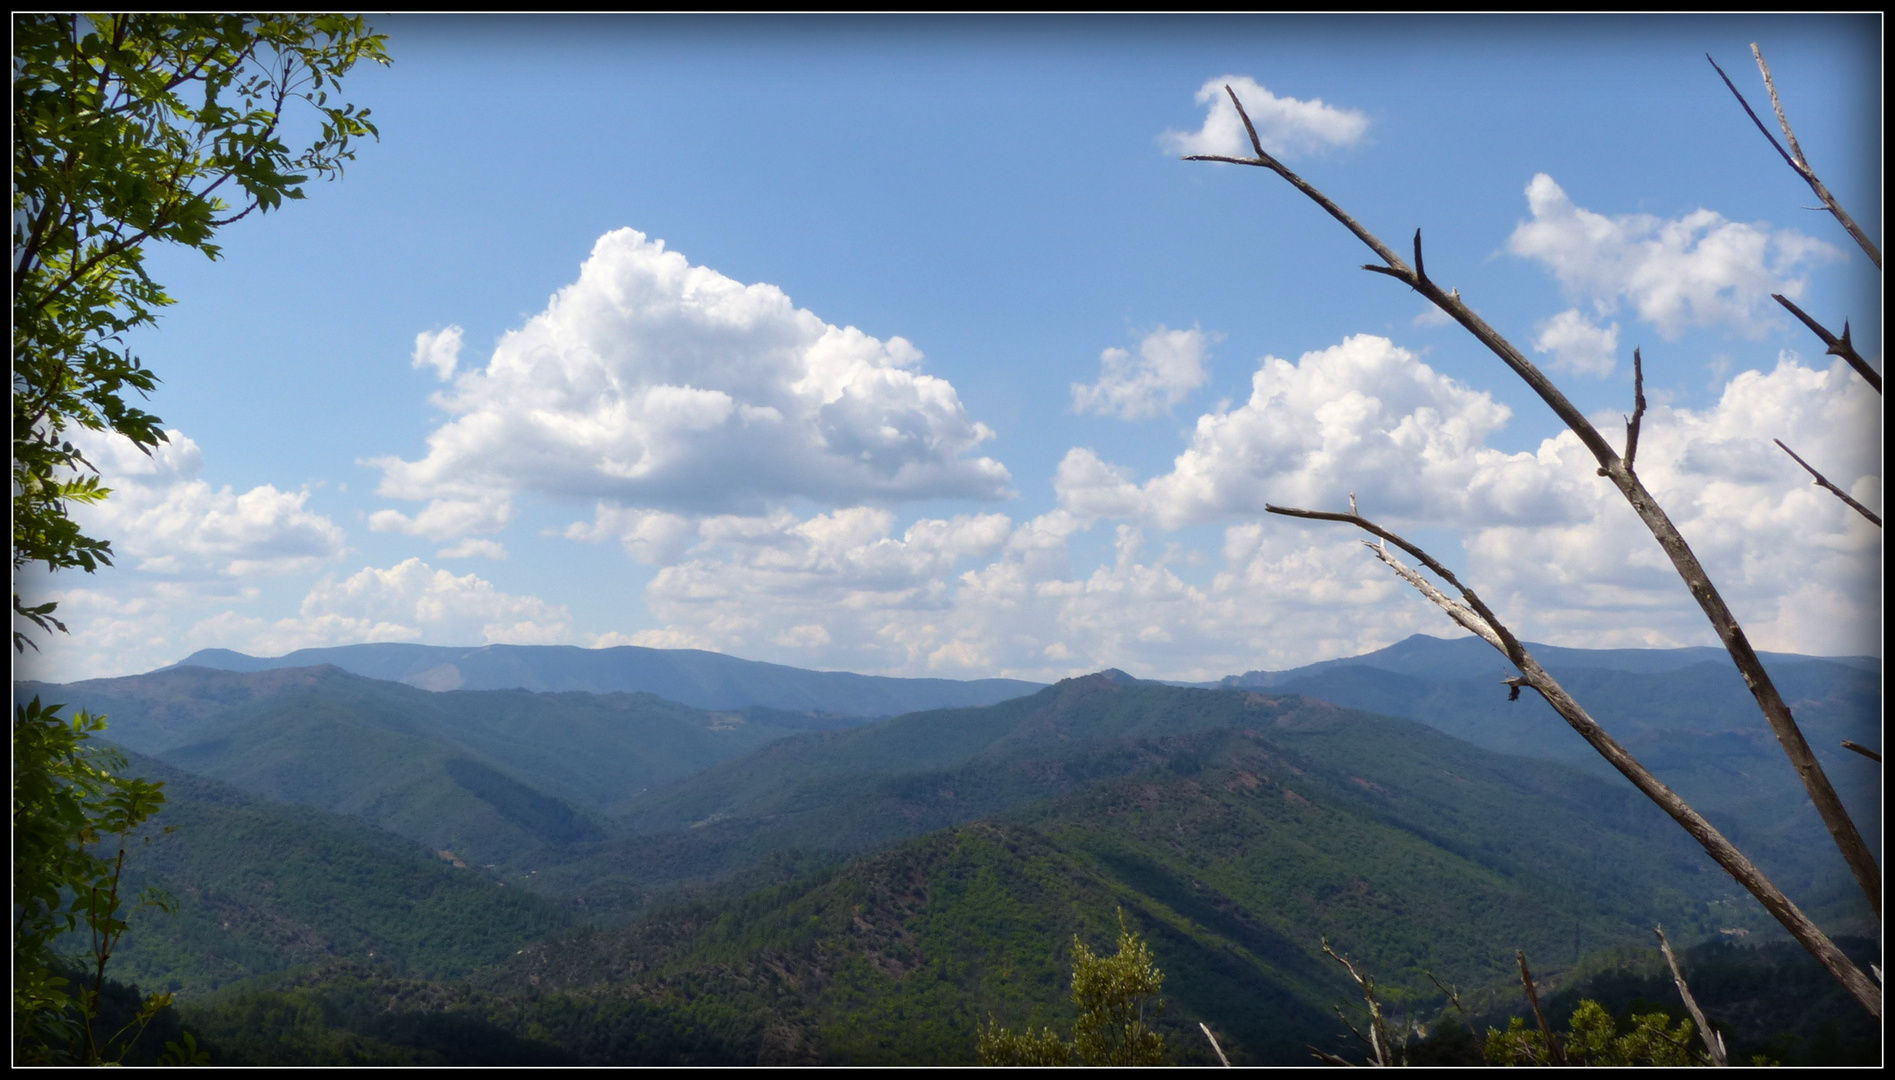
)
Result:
{"points": [[1593, 1038], [1116, 996], [127, 130]]}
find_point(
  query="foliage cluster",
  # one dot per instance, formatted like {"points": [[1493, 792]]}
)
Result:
{"points": [[130, 129], [1593, 1038], [68, 797], [125, 127], [1771, 1000], [1111, 994]]}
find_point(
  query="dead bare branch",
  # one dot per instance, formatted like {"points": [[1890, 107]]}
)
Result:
{"points": [[1783, 724], [1477, 617], [1835, 346], [1823, 482], [1713, 1042], [1555, 1053], [1638, 409], [1453, 993], [1381, 1046], [1794, 156], [1220, 1050], [1872, 755]]}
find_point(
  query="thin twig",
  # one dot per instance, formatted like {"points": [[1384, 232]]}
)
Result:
{"points": [[1797, 162], [1475, 616], [1638, 409], [1555, 1055], [1454, 995], [1835, 346], [1712, 1040], [1823, 482], [1872, 755], [1220, 1050], [1842, 828], [1378, 1040], [1329, 1059]]}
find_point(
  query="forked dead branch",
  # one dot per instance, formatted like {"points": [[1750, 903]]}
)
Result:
{"points": [[1473, 614]]}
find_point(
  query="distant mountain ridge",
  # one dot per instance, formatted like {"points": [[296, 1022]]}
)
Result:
{"points": [[1434, 659], [703, 680]]}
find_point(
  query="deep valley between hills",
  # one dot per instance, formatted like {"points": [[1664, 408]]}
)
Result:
{"points": [[540, 855]]}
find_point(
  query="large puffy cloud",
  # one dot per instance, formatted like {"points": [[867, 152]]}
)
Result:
{"points": [[1697, 270], [1170, 365], [162, 519], [1548, 543], [650, 382], [1363, 416], [1285, 125], [1800, 569]]}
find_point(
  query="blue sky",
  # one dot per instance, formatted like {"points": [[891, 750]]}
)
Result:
{"points": [[861, 410]]}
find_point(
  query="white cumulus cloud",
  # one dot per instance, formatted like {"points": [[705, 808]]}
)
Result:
{"points": [[438, 349], [444, 519], [650, 382], [1285, 125], [1170, 365], [1364, 416], [1699, 270], [412, 601], [1800, 569], [1577, 343], [162, 519]]}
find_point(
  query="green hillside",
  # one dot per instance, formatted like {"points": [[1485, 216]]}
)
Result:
{"points": [[852, 790], [859, 895], [262, 886], [497, 776], [1695, 726]]}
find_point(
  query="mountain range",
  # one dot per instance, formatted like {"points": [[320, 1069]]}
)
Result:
{"points": [[616, 877], [704, 680]]}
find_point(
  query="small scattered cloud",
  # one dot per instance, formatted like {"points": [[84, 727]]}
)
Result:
{"points": [[1699, 270], [660, 638], [445, 519], [1432, 316], [1577, 343], [412, 601], [1170, 365], [1286, 126], [440, 350], [474, 549]]}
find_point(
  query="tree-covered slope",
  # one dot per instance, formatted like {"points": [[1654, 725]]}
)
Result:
{"points": [[1695, 726], [852, 790], [261, 886], [495, 775]]}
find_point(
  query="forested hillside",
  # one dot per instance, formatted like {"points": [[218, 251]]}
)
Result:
{"points": [[864, 893]]}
